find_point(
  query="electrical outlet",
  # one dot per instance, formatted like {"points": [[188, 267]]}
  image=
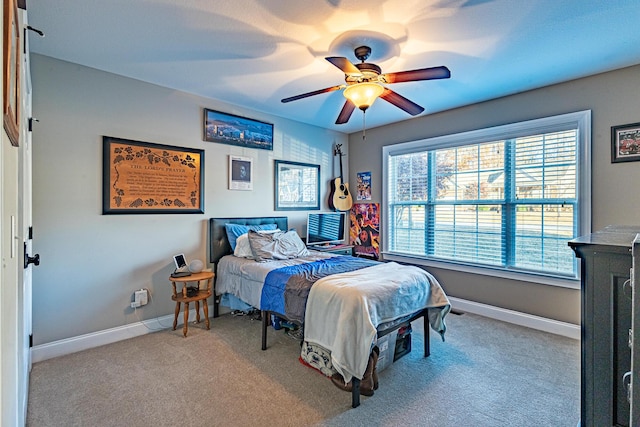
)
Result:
{"points": [[141, 297]]}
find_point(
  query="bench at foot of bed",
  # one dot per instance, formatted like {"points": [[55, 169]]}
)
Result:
{"points": [[355, 390]]}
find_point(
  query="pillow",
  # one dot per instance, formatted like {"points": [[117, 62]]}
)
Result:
{"points": [[243, 249], [279, 245], [236, 230]]}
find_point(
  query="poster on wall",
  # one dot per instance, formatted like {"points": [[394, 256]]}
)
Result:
{"points": [[145, 178], [240, 173], [364, 233], [364, 186]]}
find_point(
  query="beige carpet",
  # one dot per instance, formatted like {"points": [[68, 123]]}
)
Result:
{"points": [[487, 373]]}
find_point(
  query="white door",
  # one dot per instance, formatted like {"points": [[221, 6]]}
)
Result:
{"points": [[15, 279], [28, 259], [10, 312]]}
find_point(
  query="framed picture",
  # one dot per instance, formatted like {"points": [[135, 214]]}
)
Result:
{"points": [[240, 173], [297, 186], [11, 72], [236, 130], [625, 143], [144, 178]]}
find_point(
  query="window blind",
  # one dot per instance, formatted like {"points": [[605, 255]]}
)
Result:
{"points": [[509, 203]]}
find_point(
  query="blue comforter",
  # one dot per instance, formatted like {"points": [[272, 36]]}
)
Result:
{"points": [[286, 289]]}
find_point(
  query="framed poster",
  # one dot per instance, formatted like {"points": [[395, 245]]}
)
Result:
{"points": [[144, 178], [240, 173], [625, 143], [297, 186], [236, 130], [11, 72], [364, 233]]}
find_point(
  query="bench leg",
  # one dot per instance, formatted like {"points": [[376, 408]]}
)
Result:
{"points": [[427, 335], [355, 392], [265, 323]]}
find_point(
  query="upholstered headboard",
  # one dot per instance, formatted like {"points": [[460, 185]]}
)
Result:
{"points": [[219, 244]]}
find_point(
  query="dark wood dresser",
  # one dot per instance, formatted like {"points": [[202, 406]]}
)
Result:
{"points": [[606, 319]]}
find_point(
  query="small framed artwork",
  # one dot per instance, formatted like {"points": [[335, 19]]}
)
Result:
{"points": [[235, 130], [240, 173], [297, 186], [625, 143]]}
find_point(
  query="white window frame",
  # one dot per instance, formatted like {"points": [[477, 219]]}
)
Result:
{"points": [[581, 121]]}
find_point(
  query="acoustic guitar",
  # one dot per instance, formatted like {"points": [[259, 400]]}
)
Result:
{"points": [[339, 197]]}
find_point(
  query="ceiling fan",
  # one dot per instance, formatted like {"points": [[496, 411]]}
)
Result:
{"points": [[364, 83]]}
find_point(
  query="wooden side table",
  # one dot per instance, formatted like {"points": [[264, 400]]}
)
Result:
{"points": [[181, 297]]}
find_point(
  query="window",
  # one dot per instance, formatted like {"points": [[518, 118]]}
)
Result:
{"points": [[507, 198]]}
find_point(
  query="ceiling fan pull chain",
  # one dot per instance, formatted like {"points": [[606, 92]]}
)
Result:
{"points": [[364, 134]]}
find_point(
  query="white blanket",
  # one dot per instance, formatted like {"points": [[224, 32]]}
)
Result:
{"points": [[344, 310]]}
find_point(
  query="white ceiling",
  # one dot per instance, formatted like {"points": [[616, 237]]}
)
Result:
{"points": [[253, 53]]}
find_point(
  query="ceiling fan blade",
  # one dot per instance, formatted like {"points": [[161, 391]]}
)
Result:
{"points": [[401, 102], [414, 75], [345, 113], [315, 92], [344, 64]]}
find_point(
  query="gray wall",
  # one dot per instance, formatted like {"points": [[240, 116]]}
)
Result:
{"points": [[613, 99], [92, 263]]}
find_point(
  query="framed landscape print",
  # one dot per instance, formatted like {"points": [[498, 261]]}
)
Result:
{"points": [[235, 130], [144, 178]]}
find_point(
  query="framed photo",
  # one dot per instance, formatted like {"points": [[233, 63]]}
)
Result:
{"points": [[236, 130], [144, 178], [240, 173], [11, 72], [297, 186], [625, 143]]}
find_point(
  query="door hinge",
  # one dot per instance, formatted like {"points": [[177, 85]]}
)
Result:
{"points": [[30, 340]]}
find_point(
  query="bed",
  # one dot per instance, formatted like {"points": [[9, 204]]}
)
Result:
{"points": [[315, 288]]}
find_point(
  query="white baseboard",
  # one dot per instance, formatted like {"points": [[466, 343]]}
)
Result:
{"points": [[518, 318], [108, 336]]}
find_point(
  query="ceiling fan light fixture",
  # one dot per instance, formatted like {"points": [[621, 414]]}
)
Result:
{"points": [[363, 94]]}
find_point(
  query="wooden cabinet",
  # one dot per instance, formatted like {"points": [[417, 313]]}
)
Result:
{"points": [[606, 320]]}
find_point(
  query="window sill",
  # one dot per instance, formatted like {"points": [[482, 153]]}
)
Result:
{"points": [[541, 279]]}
